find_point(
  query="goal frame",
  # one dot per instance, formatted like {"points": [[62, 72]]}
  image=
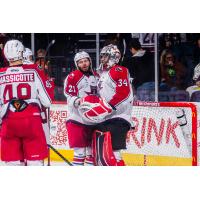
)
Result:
{"points": [[194, 120]]}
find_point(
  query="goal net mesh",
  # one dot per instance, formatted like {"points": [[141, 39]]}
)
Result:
{"points": [[164, 134]]}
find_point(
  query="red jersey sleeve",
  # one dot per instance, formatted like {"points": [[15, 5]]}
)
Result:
{"points": [[120, 76], [48, 85], [71, 86]]}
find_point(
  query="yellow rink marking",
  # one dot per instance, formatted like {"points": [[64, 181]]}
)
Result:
{"points": [[151, 160], [68, 154], [134, 159]]}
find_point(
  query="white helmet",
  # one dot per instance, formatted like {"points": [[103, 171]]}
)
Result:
{"points": [[13, 50], [113, 54], [81, 55], [26, 56], [196, 72]]}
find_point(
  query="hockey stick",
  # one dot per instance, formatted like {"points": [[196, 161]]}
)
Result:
{"points": [[49, 45], [124, 52], [47, 51], [60, 155]]}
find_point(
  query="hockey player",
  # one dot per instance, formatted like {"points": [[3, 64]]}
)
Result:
{"points": [[115, 88], [22, 92], [194, 90], [28, 60], [27, 56], [78, 84]]}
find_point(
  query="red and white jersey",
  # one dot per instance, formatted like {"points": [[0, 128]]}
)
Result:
{"points": [[78, 85], [23, 82], [50, 81], [114, 85]]}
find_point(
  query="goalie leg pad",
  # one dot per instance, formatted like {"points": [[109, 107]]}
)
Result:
{"points": [[102, 149]]}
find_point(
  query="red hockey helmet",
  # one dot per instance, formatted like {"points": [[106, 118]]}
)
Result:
{"points": [[94, 109]]}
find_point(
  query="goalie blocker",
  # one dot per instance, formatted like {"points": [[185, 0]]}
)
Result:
{"points": [[108, 139]]}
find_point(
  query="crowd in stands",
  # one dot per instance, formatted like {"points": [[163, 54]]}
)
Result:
{"points": [[177, 60]]}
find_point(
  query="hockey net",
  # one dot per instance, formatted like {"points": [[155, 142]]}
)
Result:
{"points": [[165, 134]]}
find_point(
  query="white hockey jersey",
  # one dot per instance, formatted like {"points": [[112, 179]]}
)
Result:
{"points": [[114, 85], [78, 85], [23, 82]]}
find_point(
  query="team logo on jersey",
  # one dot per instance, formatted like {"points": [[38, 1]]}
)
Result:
{"points": [[48, 84], [93, 90], [118, 69], [18, 104]]}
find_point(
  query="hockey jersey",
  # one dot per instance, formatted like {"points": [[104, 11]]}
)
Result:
{"points": [[114, 85], [78, 85], [23, 82]]}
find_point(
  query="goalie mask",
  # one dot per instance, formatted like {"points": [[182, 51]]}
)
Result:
{"points": [[110, 55], [94, 109], [27, 56], [13, 50], [196, 76]]}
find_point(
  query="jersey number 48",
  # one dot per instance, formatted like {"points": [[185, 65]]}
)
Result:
{"points": [[23, 91]]}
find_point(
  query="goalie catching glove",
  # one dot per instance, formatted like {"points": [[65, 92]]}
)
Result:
{"points": [[94, 109]]}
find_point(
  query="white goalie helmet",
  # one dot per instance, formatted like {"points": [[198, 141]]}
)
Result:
{"points": [[13, 50], [81, 55], [196, 73], [26, 56], [112, 54]]}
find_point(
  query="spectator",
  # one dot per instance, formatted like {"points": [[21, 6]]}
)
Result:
{"points": [[197, 52], [173, 73], [140, 65], [42, 62], [194, 90], [3, 40], [172, 42]]}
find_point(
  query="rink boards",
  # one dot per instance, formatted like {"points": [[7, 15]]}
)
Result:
{"points": [[156, 140]]}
